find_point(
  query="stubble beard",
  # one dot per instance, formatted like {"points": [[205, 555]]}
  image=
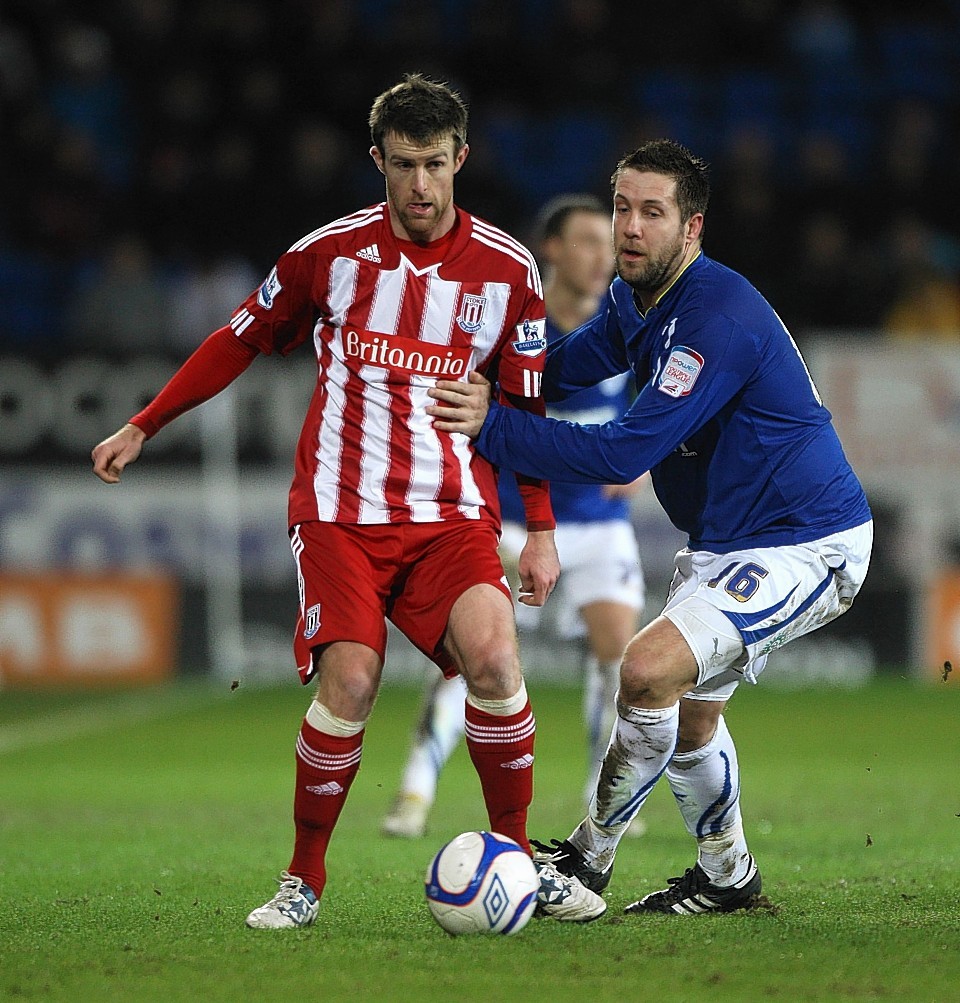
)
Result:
{"points": [[417, 226], [653, 273]]}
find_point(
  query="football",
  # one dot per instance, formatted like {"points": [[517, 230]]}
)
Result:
{"points": [[481, 882]]}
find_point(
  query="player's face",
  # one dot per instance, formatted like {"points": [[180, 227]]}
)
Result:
{"points": [[582, 256], [651, 242], [419, 185]]}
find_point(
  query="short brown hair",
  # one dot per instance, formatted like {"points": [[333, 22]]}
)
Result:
{"points": [[421, 110], [552, 218], [667, 157]]}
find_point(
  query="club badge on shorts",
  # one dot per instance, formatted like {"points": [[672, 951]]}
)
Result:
{"points": [[311, 622]]}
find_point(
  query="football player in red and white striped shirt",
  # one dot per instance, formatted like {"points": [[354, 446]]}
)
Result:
{"points": [[388, 517]]}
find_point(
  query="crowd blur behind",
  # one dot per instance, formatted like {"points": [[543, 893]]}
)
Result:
{"points": [[158, 155]]}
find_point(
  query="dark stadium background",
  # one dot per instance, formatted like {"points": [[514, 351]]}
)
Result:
{"points": [[157, 156]]}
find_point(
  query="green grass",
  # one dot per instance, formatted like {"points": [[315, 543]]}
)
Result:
{"points": [[132, 848]]}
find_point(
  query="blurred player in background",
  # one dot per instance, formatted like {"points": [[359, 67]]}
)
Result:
{"points": [[600, 592], [388, 518], [745, 459]]}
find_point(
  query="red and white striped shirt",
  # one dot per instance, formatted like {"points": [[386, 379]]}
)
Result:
{"points": [[386, 325]]}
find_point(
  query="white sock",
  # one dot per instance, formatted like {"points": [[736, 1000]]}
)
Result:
{"points": [[600, 684], [724, 855], [640, 749], [438, 731], [706, 785]]}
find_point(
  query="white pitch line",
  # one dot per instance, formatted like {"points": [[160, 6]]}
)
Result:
{"points": [[130, 708]]}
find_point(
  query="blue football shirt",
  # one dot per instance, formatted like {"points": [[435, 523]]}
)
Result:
{"points": [[742, 452]]}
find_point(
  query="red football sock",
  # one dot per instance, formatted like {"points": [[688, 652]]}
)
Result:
{"points": [[326, 766], [502, 752]]}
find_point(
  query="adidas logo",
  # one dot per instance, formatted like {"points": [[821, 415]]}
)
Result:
{"points": [[371, 253], [523, 763], [329, 788]]}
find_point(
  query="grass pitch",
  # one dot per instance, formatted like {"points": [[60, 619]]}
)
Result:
{"points": [[138, 829]]}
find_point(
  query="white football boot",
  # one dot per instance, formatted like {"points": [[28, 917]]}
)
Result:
{"points": [[294, 905], [564, 897]]}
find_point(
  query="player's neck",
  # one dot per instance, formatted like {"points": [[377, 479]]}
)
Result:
{"points": [[424, 255], [567, 307]]}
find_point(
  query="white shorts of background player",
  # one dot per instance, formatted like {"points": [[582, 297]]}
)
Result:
{"points": [[599, 562]]}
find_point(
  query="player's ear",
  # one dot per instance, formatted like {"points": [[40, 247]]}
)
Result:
{"points": [[549, 249], [377, 158], [461, 157], [695, 226]]}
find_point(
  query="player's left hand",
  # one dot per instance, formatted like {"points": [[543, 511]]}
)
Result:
{"points": [[539, 568], [463, 406]]}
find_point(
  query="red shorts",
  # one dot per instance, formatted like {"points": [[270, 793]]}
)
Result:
{"points": [[352, 578]]}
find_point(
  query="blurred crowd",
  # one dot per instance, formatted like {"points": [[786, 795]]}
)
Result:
{"points": [[158, 155]]}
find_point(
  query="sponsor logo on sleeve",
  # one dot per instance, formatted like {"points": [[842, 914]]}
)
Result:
{"points": [[678, 376], [268, 291], [531, 339]]}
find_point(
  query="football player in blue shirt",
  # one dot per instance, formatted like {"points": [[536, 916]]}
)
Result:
{"points": [[744, 459]]}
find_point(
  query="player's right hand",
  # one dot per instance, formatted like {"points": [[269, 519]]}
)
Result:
{"points": [[113, 454], [463, 406], [539, 568]]}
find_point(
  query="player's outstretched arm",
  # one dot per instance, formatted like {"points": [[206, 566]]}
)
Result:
{"points": [[218, 361], [114, 453]]}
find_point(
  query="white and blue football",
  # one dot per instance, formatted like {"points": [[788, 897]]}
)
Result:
{"points": [[482, 882]]}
